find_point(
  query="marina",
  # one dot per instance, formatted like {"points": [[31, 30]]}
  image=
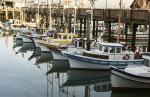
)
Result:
{"points": [[74, 48], [40, 77]]}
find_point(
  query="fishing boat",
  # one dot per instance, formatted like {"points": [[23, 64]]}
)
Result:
{"points": [[132, 77], [56, 44], [103, 56]]}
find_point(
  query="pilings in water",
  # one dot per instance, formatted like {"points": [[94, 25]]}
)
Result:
{"points": [[96, 35], [126, 33], [109, 31], [85, 27], [81, 21], [87, 91], [134, 37], [88, 31], [148, 49], [70, 24], [94, 32]]}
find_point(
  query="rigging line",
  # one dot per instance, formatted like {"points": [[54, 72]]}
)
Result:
{"points": [[43, 73]]}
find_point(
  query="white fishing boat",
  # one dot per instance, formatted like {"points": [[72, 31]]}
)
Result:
{"points": [[56, 44], [132, 77], [102, 57]]}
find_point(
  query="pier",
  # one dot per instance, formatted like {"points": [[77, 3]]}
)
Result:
{"points": [[103, 19]]}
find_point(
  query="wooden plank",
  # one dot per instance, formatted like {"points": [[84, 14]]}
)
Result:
{"points": [[139, 16], [98, 14]]}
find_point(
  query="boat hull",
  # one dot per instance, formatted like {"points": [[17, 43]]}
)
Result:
{"points": [[18, 42], [121, 80], [38, 45], [76, 64], [58, 56], [103, 63]]}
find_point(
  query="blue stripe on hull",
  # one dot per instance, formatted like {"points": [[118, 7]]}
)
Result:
{"points": [[101, 62]]}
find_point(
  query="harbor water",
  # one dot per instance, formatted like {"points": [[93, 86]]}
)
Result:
{"points": [[21, 76]]}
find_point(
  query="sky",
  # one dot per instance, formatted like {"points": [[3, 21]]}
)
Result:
{"points": [[98, 3]]}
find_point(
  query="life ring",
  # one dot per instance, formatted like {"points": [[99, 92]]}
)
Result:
{"points": [[126, 57]]}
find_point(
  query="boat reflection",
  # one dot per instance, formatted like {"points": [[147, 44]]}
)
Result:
{"points": [[86, 77], [27, 45], [36, 53], [131, 94], [45, 57], [59, 66], [18, 41]]}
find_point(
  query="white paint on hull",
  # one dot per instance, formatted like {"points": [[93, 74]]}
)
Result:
{"points": [[84, 65], [120, 80]]}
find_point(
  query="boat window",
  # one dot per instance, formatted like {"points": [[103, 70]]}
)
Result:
{"points": [[104, 87], [118, 50], [75, 43], [146, 62], [80, 44], [123, 49], [70, 37], [65, 37], [100, 47], [59, 37], [112, 49], [105, 49]]}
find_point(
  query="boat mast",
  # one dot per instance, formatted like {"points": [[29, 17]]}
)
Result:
{"points": [[119, 31], [92, 7], [50, 12], [75, 14], [38, 14], [13, 10], [47, 15], [6, 10]]}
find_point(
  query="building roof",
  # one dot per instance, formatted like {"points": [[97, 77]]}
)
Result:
{"points": [[111, 44], [111, 5], [101, 4]]}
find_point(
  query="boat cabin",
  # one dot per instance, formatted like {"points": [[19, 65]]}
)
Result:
{"points": [[68, 36], [81, 42], [109, 47], [110, 51]]}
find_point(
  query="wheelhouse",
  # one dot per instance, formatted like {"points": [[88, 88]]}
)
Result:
{"points": [[110, 47]]}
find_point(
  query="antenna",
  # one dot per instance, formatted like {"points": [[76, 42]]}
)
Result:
{"points": [[119, 31]]}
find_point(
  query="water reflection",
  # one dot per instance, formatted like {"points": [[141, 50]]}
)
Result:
{"points": [[89, 82], [6, 41], [130, 94], [86, 77], [59, 66], [26, 45], [45, 57], [20, 77], [17, 42], [36, 53]]}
